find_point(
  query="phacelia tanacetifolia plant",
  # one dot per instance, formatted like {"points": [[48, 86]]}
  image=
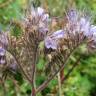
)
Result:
{"points": [[57, 45]]}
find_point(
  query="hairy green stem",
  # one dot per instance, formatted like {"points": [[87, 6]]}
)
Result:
{"points": [[59, 84], [34, 72]]}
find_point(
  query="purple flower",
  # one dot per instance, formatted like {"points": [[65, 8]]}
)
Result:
{"points": [[2, 54], [85, 26], [43, 31], [92, 29], [52, 41], [4, 38], [94, 36], [40, 19], [37, 12], [72, 16], [2, 61], [58, 34], [79, 24], [2, 51], [13, 65], [40, 11], [45, 17]]}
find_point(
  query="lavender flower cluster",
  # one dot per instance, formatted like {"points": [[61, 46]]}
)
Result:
{"points": [[39, 20], [37, 28], [76, 24], [81, 24]]}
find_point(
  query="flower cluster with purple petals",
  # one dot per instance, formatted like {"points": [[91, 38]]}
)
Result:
{"points": [[80, 24], [52, 40], [76, 24], [38, 20]]}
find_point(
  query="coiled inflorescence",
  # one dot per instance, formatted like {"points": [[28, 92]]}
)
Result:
{"points": [[78, 28]]}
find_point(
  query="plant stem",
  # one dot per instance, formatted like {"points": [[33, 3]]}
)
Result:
{"points": [[71, 70], [64, 63], [15, 90], [59, 84], [22, 70], [4, 88], [42, 86], [34, 72]]}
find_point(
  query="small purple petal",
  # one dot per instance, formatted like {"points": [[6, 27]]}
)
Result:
{"points": [[43, 30], [13, 66], [2, 61], [2, 51], [49, 43], [41, 24], [82, 21], [72, 15], [4, 39], [58, 34], [45, 17], [94, 36], [85, 26], [33, 12], [40, 11], [92, 29]]}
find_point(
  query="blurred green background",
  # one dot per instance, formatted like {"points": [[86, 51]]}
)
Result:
{"points": [[82, 81]]}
